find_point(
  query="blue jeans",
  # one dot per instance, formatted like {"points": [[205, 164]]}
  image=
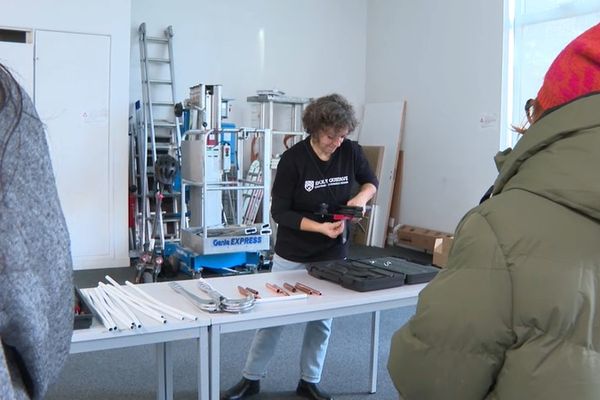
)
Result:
{"points": [[314, 346]]}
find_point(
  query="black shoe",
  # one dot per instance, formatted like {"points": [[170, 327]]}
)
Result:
{"points": [[311, 391], [242, 390]]}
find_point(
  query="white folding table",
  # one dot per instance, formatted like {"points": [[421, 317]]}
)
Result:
{"points": [[97, 337], [335, 301]]}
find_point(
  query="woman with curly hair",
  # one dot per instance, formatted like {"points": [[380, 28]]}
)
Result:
{"points": [[324, 168]]}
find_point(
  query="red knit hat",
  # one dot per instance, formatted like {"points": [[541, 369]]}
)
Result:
{"points": [[574, 73]]}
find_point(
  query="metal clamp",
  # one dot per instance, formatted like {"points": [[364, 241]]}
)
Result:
{"points": [[203, 304], [225, 304]]}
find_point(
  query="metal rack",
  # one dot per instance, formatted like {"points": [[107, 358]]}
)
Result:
{"points": [[202, 156], [269, 103]]}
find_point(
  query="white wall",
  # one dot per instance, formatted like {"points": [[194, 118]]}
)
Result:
{"points": [[445, 59], [106, 17], [310, 47]]}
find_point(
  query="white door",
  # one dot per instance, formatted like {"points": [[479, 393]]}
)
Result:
{"points": [[72, 81]]}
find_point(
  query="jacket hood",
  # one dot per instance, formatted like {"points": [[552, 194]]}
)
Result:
{"points": [[558, 158]]}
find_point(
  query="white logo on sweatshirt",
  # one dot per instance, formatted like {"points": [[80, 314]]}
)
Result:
{"points": [[338, 180]]}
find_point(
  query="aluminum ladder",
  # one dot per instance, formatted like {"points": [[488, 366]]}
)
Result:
{"points": [[161, 131]]}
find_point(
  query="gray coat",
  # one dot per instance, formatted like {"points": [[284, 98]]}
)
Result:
{"points": [[516, 315], [36, 290]]}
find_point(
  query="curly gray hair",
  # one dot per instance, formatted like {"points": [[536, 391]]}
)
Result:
{"points": [[329, 111]]}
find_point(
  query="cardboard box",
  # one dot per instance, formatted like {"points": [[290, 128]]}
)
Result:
{"points": [[441, 250], [420, 238]]}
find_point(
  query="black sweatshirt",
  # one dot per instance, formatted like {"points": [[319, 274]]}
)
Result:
{"points": [[302, 183]]}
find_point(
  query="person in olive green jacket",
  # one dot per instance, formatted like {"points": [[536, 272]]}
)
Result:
{"points": [[516, 314]]}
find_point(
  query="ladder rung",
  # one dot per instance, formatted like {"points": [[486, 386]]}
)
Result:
{"points": [[160, 81], [162, 147], [170, 215], [166, 220], [157, 39], [171, 194], [164, 195], [160, 135], [169, 237], [163, 103], [159, 60], [164, 123]]}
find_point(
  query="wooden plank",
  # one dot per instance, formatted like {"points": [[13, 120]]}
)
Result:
{"points": [[397, 193], [381, 126], [361, 231]]}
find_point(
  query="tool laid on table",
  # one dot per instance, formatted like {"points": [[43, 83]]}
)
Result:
{"points": [[203, 304], [224, 303]]}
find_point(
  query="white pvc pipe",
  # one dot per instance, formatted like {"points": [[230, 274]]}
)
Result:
{"points": [[135, 322], [117, 315], [106, 320], [90, 302], [160, 304], [132, 297], [100, 306], [135, 303]]}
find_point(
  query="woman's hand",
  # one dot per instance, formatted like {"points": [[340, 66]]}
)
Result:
{"points": [[329, 229], [357, 202], [332, 229], [366, 193]]}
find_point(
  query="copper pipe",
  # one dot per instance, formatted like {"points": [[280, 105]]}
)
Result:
{"points": [[307, 289], [276, 289], [243, 291], [254, 292], [289, 287]]}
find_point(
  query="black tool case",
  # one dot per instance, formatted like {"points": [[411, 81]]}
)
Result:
{"points": [[372, 274], [414, 273], [355, 275], [82, 318]]}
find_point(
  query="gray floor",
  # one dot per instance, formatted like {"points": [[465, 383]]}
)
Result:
{"points": [[130, 373]]}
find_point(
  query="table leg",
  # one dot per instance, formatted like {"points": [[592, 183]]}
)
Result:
{"points": [[203, 369], [374, 350], [214, 340], [164, 363]]}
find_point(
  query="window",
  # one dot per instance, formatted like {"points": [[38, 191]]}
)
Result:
{"points": [[15, 36], [537, 31]]}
